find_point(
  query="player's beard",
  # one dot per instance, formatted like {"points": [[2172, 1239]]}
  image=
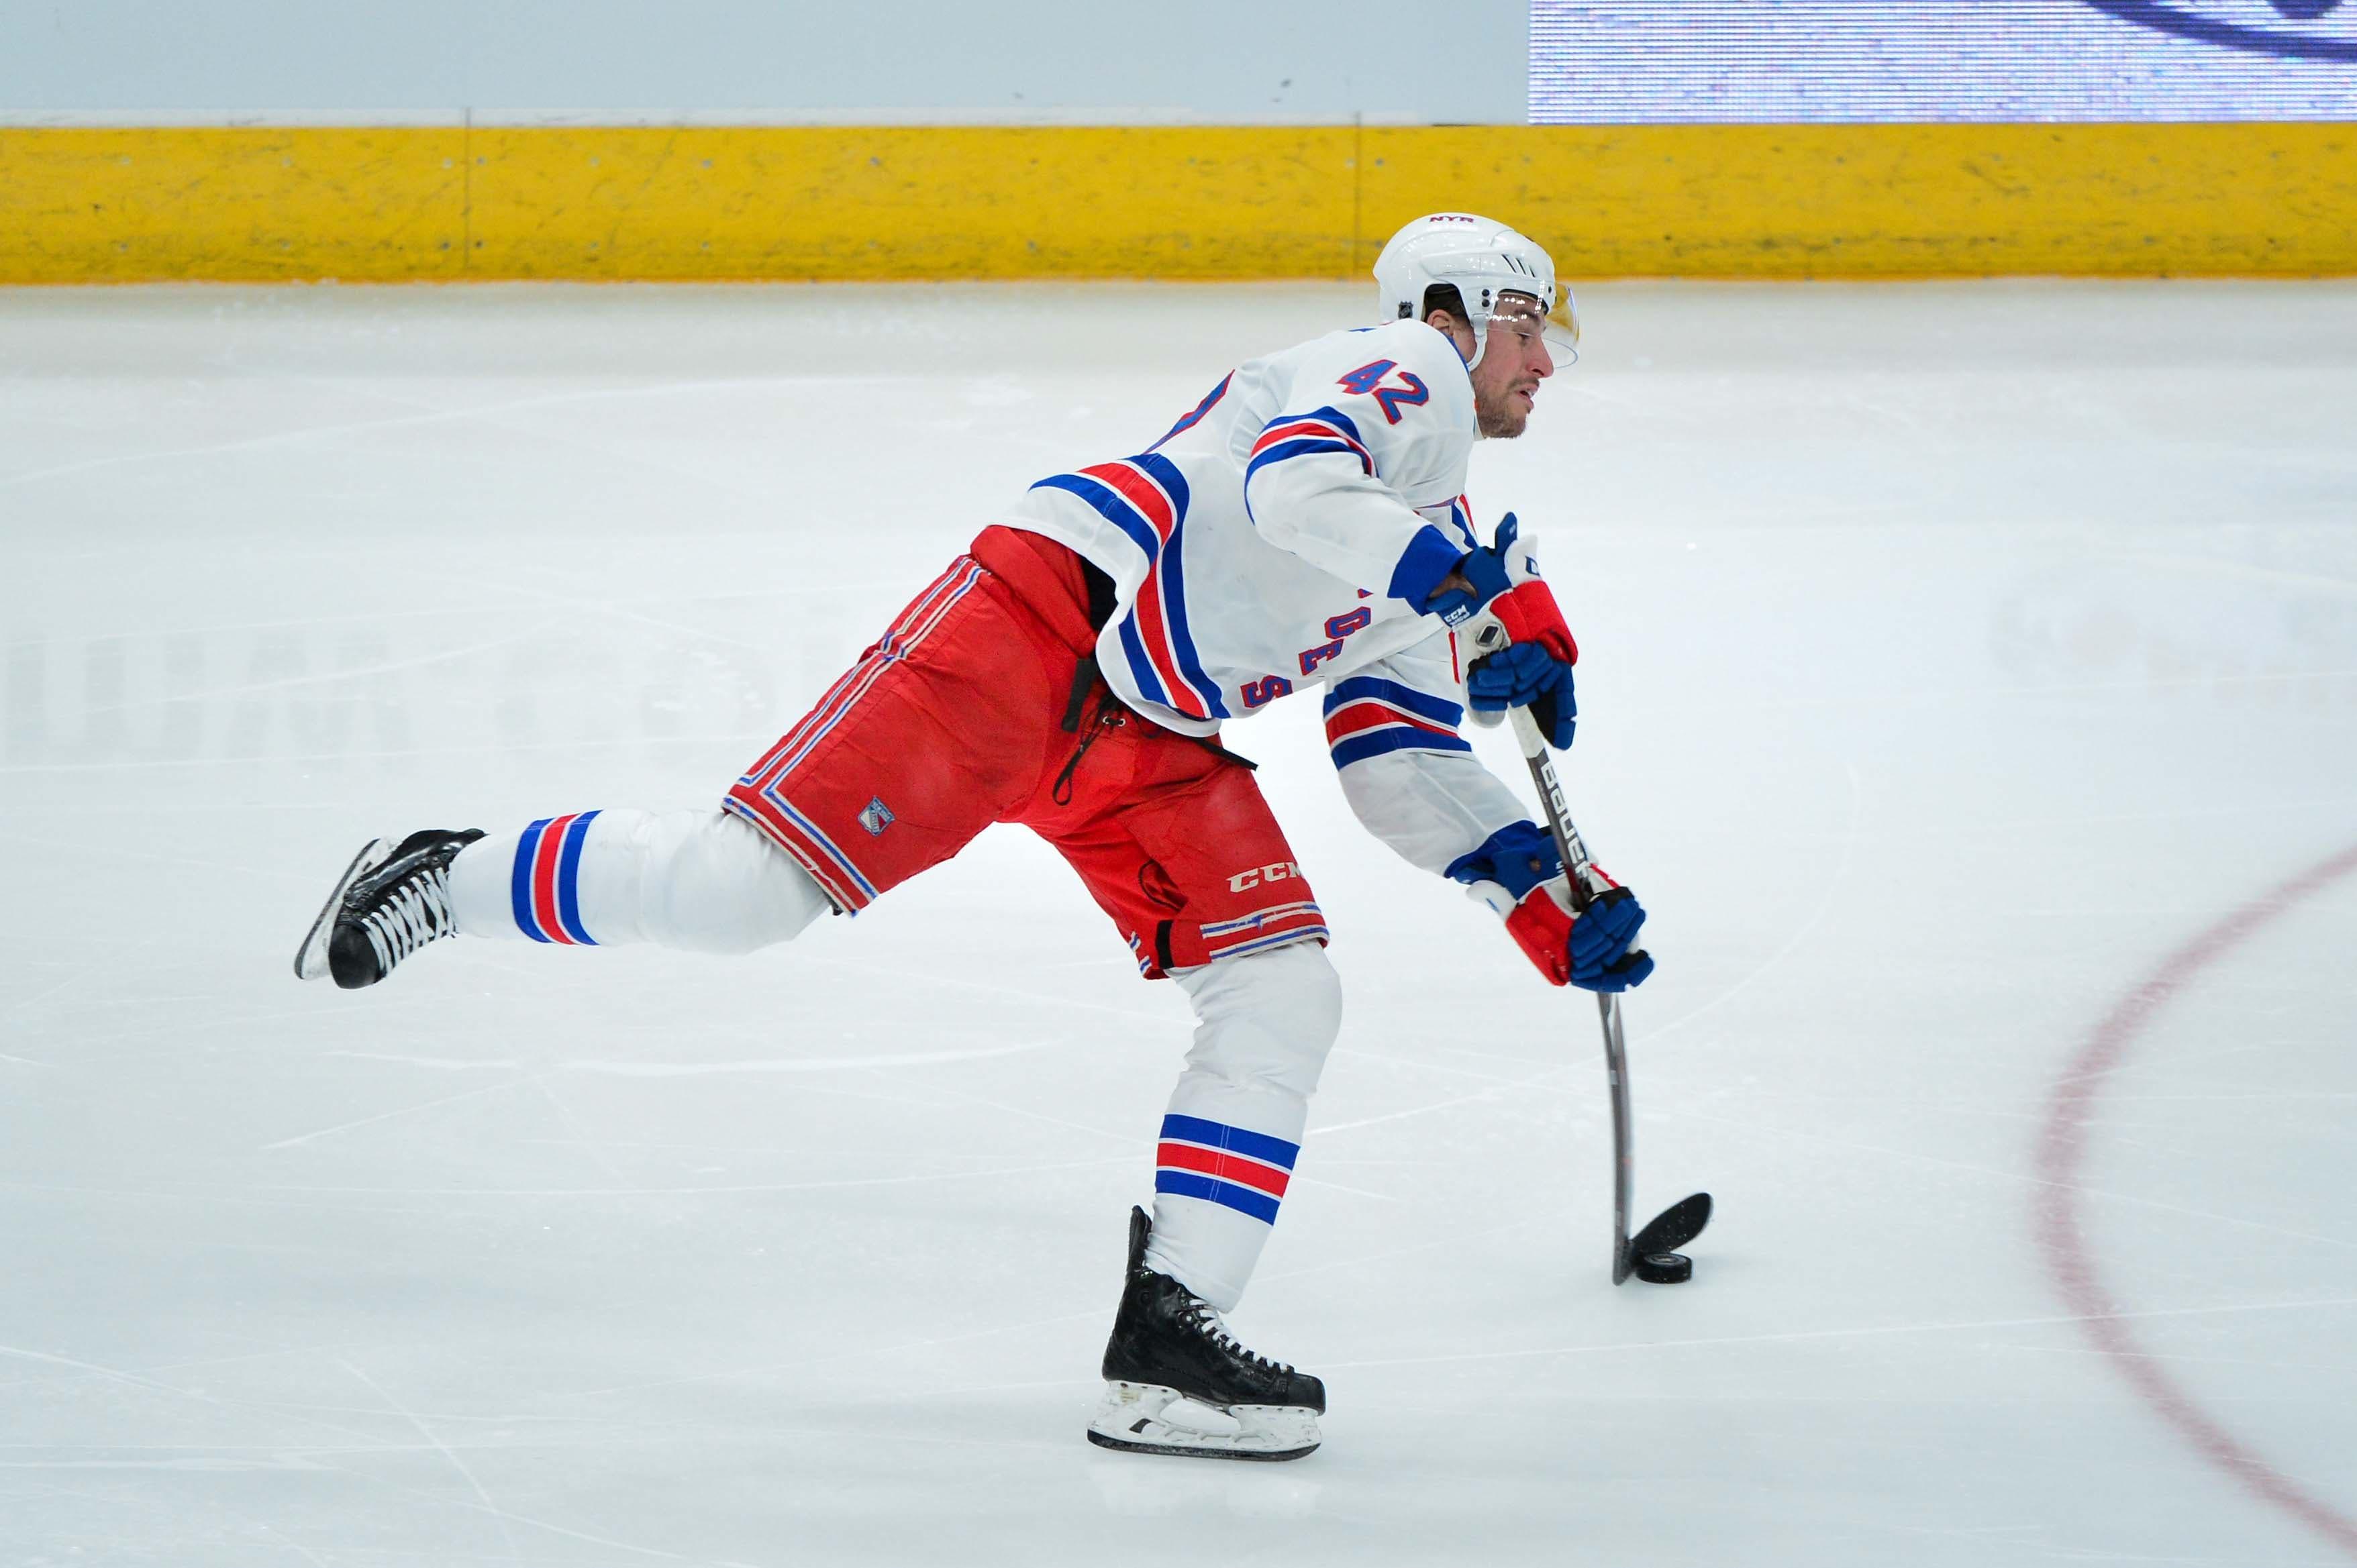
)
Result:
{"points": [[1501, 417]]}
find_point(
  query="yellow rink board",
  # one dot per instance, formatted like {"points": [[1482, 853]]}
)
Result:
{"points": [[446, 203]]}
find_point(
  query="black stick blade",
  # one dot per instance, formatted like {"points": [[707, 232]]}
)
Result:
{"points": [[1674, 1226]]}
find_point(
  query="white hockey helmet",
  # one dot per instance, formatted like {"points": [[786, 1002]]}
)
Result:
{"points": [[1481, 259]]}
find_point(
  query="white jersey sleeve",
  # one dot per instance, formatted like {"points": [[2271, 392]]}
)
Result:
{"points": [[1413, 781], [1373, 425]]}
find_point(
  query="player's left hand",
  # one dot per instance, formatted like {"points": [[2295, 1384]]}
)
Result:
{"points": [[1501, 581]]}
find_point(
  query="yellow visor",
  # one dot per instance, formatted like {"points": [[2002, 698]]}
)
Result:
{"points": [[1520, 314]]}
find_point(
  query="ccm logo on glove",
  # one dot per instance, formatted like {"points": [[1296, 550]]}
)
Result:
{"points": [[1502, 582]]}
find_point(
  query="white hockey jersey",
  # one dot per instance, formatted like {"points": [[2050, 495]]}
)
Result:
{"points": [[1285, 534]]}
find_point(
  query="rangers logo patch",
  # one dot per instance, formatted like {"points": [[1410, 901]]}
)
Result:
{"points": [[876, 817]]}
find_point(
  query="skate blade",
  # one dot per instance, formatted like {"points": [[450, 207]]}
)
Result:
{"points": [[311, 957], [1140, 1418]]}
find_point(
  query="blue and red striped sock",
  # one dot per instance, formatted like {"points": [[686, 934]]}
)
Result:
{"points": [[699, 880], [1217, 1189]]}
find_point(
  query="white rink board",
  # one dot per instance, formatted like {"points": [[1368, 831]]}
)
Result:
{"points": [[1953, 654]]}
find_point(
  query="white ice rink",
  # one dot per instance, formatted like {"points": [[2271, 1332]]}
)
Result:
{"points": [[1957, 661]]}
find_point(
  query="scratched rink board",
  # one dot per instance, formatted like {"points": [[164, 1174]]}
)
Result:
{"points": [[1640, 61]]}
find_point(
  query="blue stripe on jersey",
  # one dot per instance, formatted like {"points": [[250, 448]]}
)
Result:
{"points": [[1219, 1135], [1165, 472], [1299, 446], [568, 879], [1244, 1199], [1305, 444], [1113, 507], [1202, 408], [1329, 413], [1141, 668], [1182, 642], [1401, 737], [1439, 710], [519, 882], [1278, 454]]}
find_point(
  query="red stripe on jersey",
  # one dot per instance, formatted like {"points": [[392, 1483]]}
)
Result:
{"points": [[1153, 616], [1157, 638], [1354, 718], [1226, 1167], [1140, 492], [1156, 630], [1304, 425], [1293, 429]]}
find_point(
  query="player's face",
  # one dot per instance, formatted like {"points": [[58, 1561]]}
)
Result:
{"points": [[1514, 360]]}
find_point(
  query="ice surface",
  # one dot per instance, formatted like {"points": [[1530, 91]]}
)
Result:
{"points": [[1953, 655]]}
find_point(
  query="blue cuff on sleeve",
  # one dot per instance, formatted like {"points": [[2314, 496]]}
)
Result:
{"points": [[1429, 557], [1519, 857]]}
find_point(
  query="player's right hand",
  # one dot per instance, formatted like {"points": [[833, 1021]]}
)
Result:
{"points": [[1517, 873], [1592, 950]]}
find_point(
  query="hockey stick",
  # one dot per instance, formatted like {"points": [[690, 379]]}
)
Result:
{"points": [[1652, 1253]]}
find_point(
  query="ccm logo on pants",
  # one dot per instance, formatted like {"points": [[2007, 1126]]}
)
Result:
{"points": [[1244, 880]]}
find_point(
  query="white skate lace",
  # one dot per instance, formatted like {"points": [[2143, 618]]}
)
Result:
{"points": [[417, 913], [1212, 1326]]}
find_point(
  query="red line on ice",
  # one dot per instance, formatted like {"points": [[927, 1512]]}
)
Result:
{"points": [[2061, 1149]]}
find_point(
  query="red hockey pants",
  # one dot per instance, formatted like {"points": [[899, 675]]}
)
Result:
{"points": [[956, 719]]}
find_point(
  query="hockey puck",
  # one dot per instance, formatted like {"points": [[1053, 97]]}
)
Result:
{"points": [[1663, 1268]]}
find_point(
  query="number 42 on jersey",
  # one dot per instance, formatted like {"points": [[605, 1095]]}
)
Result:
{"points": [[1367, 380]]}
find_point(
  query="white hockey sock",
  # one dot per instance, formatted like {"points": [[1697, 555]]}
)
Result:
{"points": [[699, 880], [1229, 1142]]}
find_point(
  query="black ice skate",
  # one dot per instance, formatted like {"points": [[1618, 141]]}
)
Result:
{"points": [[1168, 1345], [391, 900]]}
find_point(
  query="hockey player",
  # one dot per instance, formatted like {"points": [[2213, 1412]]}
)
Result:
{"points": [[1303, 526]]}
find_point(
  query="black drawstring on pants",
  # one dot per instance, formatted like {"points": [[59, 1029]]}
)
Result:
{"points": [[1084, 680]]}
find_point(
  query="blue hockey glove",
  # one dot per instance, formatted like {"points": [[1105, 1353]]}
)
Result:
{"points": [[1524, 675], [1518, 875], [1603, 943], [1534, 672]]}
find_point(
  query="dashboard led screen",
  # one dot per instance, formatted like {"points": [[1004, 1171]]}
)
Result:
{"points": [[1636, 61]]}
